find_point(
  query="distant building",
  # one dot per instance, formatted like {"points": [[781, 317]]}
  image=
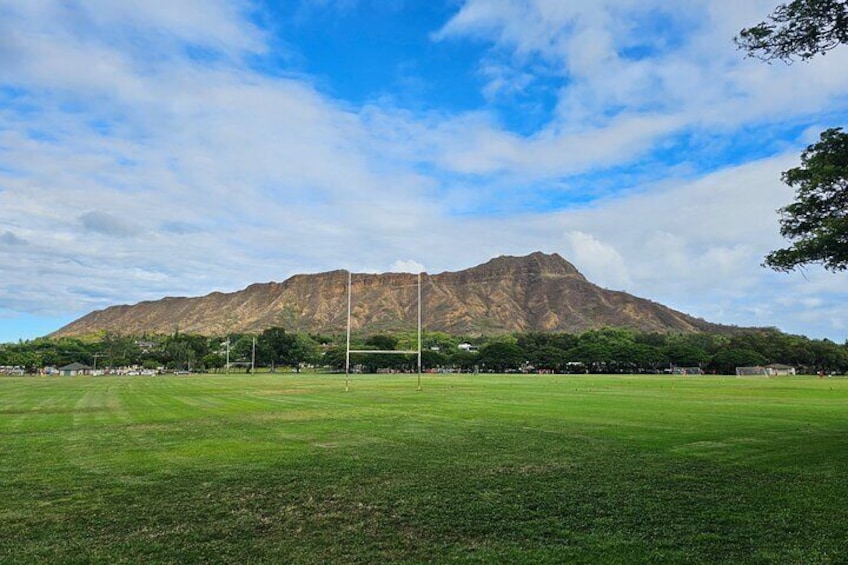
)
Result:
{"points": [[74, 369]]}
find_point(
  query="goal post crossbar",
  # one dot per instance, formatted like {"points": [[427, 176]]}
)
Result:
{"points": [[385, 351]]}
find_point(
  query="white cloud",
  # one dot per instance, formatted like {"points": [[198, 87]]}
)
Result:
{"points": [[695, 235], [600, 261], [406, 266], [613, 106]]}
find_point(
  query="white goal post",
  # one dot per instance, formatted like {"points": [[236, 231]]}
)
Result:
{"points": [[348, 350], [687, 371]]}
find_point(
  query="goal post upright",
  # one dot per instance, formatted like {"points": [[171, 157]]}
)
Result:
{"points": [[348, 350], [419, 330]]}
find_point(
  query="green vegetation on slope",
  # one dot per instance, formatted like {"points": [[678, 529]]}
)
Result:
{"points": [[483, 469]]}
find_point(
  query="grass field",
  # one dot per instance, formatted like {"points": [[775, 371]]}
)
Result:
{"points": [[474, 469]]}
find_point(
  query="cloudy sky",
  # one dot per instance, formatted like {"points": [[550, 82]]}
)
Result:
{"points": [[153, 148]]}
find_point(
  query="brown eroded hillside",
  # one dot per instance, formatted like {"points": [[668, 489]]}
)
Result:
{"points": [[538, 292]]}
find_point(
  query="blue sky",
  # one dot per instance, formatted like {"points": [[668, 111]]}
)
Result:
{"points": [[152, 149]]}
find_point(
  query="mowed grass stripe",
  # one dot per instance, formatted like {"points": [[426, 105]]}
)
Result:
{"points": [[477, 469]]}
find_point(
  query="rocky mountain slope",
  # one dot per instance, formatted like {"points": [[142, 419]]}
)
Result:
{"points": [[538, 292]]}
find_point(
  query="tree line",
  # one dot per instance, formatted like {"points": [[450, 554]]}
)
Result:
{"points": [[605, 350]]}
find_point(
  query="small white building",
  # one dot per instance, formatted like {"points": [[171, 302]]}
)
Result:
{"points": [[778, 369]]}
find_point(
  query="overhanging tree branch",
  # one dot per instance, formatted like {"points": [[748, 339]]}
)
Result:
{"points": [[802, 28]]}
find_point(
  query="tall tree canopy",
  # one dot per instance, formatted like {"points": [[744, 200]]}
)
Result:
{"points": [[802, 28], [275, 346], [817, 222]]}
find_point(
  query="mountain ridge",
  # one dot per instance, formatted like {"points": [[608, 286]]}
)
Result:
{"points": [[536, 292]]}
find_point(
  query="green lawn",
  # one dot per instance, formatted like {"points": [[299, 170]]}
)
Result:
{"points": [[474, 469]]}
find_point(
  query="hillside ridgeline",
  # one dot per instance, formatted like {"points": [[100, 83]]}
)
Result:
{"points": [[538, 292]]}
